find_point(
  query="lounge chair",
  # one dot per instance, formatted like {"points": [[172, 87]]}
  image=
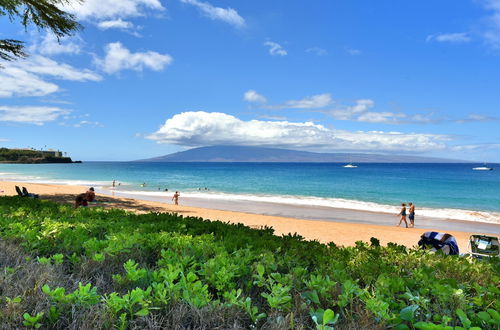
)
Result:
{"points": [[19, 192], [482, 246], [28, 194]]}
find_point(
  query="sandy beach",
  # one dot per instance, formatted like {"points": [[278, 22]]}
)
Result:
{"points": [[341, 233]]}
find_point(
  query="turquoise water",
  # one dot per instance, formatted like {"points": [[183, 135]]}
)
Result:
{"points": [[442, 188]]}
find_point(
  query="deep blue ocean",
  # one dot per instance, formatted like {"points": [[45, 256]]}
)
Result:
{"points": [[439, 188]]}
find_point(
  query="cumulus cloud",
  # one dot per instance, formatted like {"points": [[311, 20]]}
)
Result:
{"points": [[115, 24], [119, 58], [254, 97], [227, 15], [49, 45], [203, 129], [275, 49], [28, 77], [450, 37], [30, 114], [99, 10]]}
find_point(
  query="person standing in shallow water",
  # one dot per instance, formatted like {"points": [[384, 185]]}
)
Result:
{"points": [[402, 214], [411, 215], [175, 198]]}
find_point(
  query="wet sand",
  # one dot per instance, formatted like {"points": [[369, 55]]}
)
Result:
{"points": [[341, 226]]}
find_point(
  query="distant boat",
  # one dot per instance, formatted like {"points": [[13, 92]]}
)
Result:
{"points": [[482, 168], [350, 166]]}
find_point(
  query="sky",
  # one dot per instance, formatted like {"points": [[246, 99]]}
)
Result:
{"points": [[146, 78]]}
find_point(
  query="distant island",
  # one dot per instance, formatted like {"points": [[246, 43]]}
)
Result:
{"points": [[263, 154], [31, 156]]}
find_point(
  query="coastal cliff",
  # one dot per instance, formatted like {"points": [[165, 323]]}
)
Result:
{"points": [[28, 156]]}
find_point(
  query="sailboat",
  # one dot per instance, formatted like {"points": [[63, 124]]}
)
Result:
{"points": [[482, 168]]}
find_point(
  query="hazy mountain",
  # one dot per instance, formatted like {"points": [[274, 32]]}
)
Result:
{"points": [[262, 154]]}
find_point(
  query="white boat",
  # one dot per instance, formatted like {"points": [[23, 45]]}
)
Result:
{"points": [[482, 168], [350, 166]]}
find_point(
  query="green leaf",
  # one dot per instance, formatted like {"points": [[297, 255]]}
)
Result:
{"points": [[463, 318], [494, 315], [260, 270], [328, 316], [142, 312], [484, 316], [407, 313]]}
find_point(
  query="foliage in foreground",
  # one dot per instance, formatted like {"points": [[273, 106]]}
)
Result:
{"points": [[94, 268]]}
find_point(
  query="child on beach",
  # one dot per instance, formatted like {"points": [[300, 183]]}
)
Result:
{"points": [[175, 198], [403, 215]]}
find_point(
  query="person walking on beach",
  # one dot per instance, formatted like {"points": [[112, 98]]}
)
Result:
{"points": [[114, 184], [403, 215], [175, 198], [411, 214]]}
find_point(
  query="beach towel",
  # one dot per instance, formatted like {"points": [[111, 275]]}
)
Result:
{"points": [[439, 241]]}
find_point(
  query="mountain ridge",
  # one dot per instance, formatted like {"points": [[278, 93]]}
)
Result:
{"points": [[250, 154]]}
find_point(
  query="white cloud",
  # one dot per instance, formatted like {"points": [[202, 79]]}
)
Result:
{"points": [[28, 77], [311, 102], [115, 24], [30, 114], [317, 50], [49, 45], [275, 49], [450, 37], [111, 9], [44, 66], [349, 112], [228, 15], [254, 97], [491, 31], [359, 112], [87, 123], [381, 117], [477, 118], [204, 129], [353, 52], [119, 58], [19, 82]]}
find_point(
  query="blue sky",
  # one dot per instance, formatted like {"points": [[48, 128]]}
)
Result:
{"points": [[149, 77]]}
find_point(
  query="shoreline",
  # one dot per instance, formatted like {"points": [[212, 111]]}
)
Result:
{"points": [[345, 229], [316, 213]]}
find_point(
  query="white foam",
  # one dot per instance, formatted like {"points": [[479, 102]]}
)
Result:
{"points": [[455, 214], [40, 179]]}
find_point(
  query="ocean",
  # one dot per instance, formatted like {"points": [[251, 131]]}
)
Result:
{"points": [[446, 191]]}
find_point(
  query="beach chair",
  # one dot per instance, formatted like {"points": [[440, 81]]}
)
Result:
{"points": [[443, 242], [28, 194], [19, 192], [482, 246]]}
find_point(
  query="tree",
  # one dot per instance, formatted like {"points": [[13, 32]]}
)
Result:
{"points": [[44, 14]]}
